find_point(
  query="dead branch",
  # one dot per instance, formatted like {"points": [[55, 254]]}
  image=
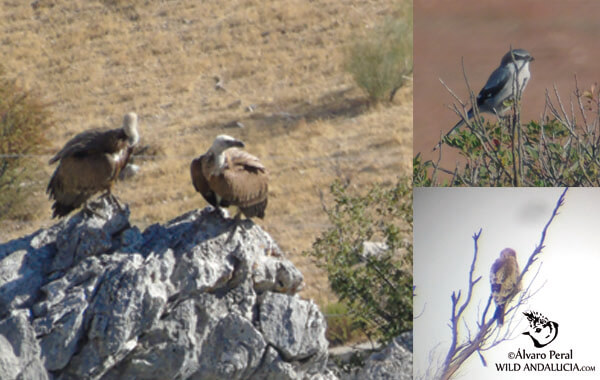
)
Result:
{"points": [[487, 333]]}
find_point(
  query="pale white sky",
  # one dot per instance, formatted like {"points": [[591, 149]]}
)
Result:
{"points": [[445, 219]]}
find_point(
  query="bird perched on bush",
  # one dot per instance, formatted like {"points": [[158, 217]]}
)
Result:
{"points": [[499, 91]]}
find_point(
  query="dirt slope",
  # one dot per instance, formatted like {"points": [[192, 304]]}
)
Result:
{"points": [[93, 61]]}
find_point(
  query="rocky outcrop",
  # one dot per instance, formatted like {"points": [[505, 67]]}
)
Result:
{"points": [[93, 297], [391, 362], [394, 362]]}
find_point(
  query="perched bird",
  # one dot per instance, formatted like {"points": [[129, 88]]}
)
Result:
{"points": [[498, 92], [89, 163], [228, 176], [503, 278]]}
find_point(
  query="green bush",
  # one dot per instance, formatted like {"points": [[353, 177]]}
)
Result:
{"points": [[376, 289], [23, 120], [341, 327], [381, 61], [547, 155], [554, 152]]}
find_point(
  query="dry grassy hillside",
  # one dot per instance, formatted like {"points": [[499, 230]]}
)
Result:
{"points": [[94, 60]]}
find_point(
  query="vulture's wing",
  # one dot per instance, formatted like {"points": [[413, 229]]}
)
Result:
{"points": [[91, 141], [201, 183], [245, 182], [75, 180]]}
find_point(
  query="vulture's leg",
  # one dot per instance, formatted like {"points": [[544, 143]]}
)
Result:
{"points": [[236, 222], [111, 197], [89, 210], [219, 211], [116, 200]]}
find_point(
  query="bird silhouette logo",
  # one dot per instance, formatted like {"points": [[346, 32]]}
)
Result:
{"points": [[542, 331]]}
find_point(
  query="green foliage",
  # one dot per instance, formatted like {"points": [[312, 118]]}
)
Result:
{"points": [[23, 120], [381, 61], [341, 327], [421, 171], [376, 289], [554, 152]]}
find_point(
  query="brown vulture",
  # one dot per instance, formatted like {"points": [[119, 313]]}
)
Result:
{"points": [[228, 176], [89, 163]]}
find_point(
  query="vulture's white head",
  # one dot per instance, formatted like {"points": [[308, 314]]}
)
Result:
{"points": [[223, 142], [130, 128]]}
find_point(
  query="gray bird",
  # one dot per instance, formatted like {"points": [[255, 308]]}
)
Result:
{"points": [[498, 91]]}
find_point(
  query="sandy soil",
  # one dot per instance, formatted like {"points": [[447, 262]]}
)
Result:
{"points": [[561, 35], [94, 60]]}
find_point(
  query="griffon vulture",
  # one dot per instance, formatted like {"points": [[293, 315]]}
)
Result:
{"points": [[89, 163], [228, 176]]}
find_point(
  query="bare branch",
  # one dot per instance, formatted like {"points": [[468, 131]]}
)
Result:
{"points": [[488, 333], [540, 246]]}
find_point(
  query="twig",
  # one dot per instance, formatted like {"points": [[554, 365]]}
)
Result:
{"points": [[488, 333]]}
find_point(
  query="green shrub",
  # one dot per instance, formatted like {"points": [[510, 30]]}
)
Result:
{"points": [[23, 120], [376, 289], [561, 150], [381, 61], [341, 327], [547, 155]]}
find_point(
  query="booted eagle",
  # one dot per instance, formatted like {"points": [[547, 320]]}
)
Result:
{"points": [[503, 278]]}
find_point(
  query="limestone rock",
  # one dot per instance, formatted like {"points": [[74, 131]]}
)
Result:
{"points": [[392, 363], [19, 349], [94, 298]]}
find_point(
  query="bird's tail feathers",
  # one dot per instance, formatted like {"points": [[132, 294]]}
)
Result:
{"points": [[456, 126], [61, 209], [499, 315], [462, 121]]}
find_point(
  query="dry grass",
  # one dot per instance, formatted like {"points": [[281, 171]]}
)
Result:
{"points": [[93, 61]]}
